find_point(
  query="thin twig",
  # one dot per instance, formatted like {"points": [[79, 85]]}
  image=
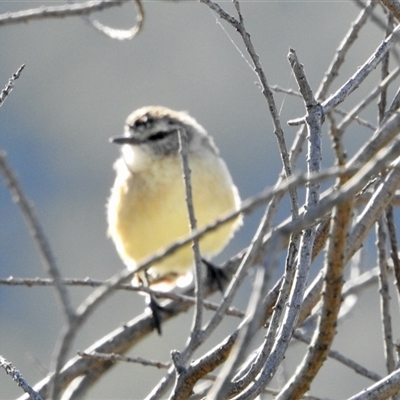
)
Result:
{"points": [[31, 282], [339, 111], [67, 10], [199, 290], [238, 25], [120, 34], [343, 49], [336, 355], [48, 262], [391, 226], [380, 23], [355, 81], [10, 85], [17, 377], [385, 296], [251, 325], [372, 211], [379, 89], [386, 387], [382, 102], [37, 232], [196, 334], [118, 357]]}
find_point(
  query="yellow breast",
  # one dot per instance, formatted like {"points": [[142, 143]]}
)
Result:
{"points": [[147, 210]]}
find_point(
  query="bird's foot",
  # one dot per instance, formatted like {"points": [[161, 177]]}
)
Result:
{"points": [[215, 275]]}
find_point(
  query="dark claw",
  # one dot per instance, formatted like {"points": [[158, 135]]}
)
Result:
{"points": [[215, 275], [156, 309]]}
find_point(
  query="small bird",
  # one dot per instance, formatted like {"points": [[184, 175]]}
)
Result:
{"points": [[147, 208]]}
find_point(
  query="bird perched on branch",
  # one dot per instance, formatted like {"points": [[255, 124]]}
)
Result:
{"points": [[147, 209]]}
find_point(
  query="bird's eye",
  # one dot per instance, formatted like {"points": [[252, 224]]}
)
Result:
{"points": [[145, 121], [139, 123], [158, 136]]}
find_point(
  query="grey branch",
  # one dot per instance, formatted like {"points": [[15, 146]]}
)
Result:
{"points": [[355, 81], [10, 85], [68, 10], [79, 9], [343, 49], [117, 357], [17, 377], [37, 233], [120, 34], [385, 388], [199, 290]]}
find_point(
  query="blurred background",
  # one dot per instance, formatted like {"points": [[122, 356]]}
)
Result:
{"points": [[78, 87]]}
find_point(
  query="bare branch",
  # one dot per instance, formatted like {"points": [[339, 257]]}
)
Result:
{"points": [[17, 377], [343, 49], [394, 7], [386, 387], [10, 85], [38, 234], [336, 355], [13, 281], [355, 81], [117, 357], [385, 296], [68, 10], [120, 34], [199, 290], [365, 102], [372, 211], [393, 246], [339, 111]]}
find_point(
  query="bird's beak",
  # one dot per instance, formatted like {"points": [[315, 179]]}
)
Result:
{"points": [[124, 140]]}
